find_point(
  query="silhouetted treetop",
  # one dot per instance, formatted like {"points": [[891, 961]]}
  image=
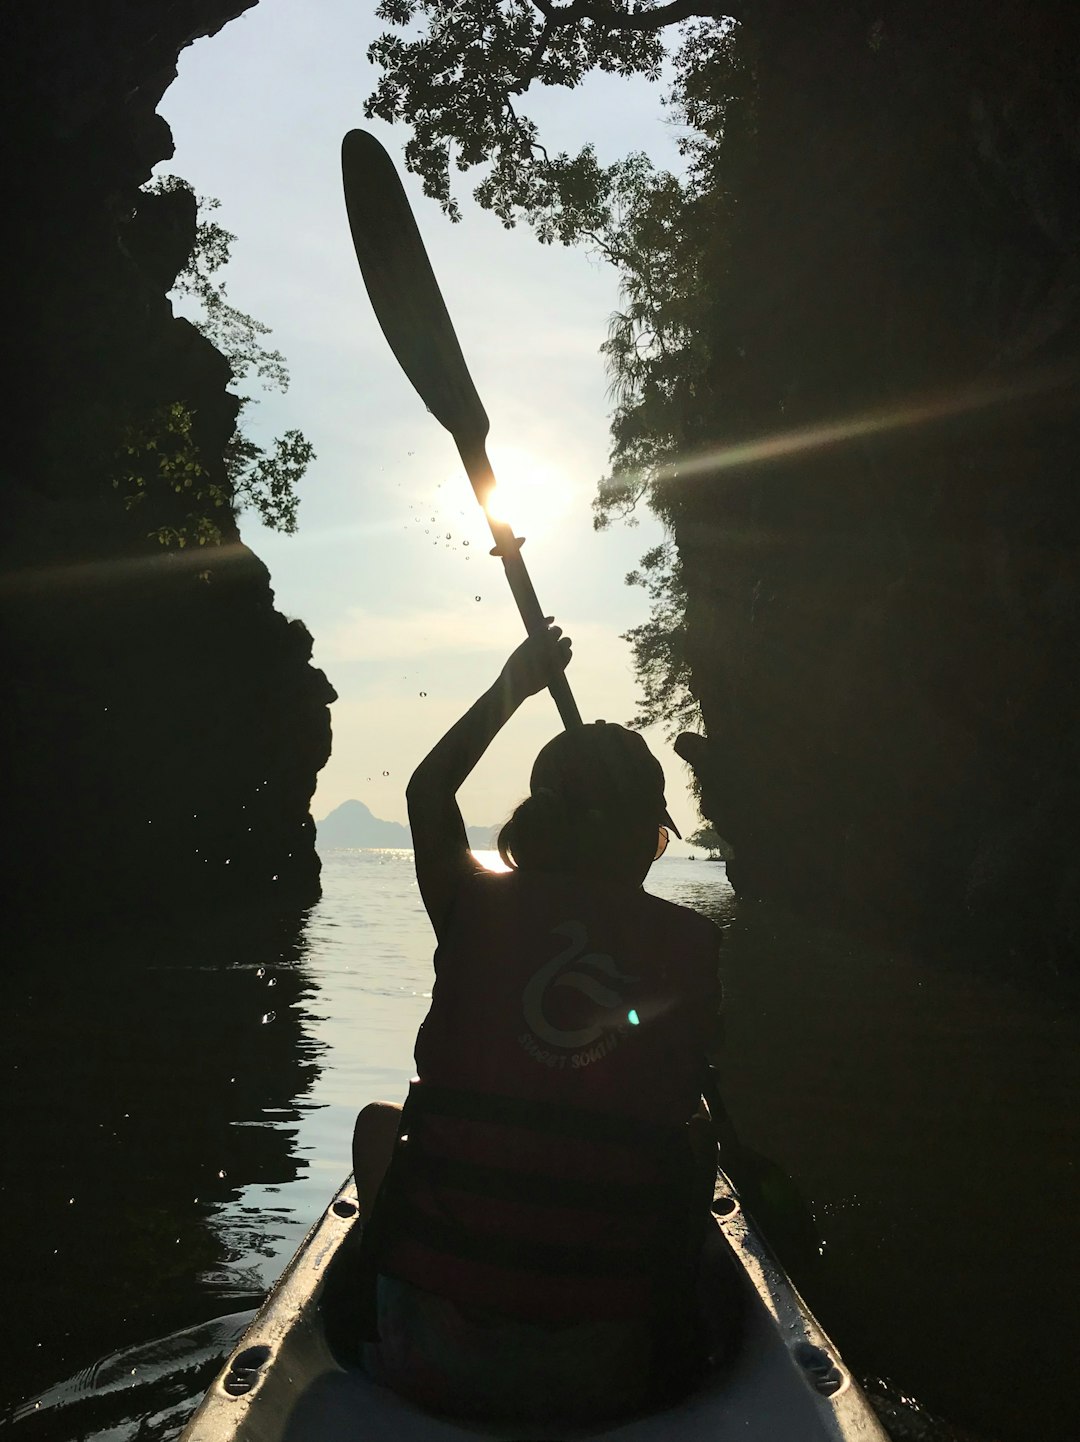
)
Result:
{"points": [[459, 82]]}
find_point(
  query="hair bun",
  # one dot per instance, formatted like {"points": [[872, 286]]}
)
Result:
{"points": [[536, 831]]}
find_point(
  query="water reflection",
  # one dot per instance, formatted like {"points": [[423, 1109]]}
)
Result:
{"points": [[141, 1394], [145, 1089], [926, 1111]]}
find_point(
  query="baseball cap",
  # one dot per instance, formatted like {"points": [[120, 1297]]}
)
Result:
{"points": [[602, 762]]}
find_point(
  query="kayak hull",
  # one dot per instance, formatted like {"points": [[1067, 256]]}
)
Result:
{"points": [[292, 1378]]}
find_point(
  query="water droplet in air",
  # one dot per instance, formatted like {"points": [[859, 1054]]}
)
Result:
{"points": [[464, 543], [386, 773], [448, 535], [478, 598], [270, 1015], [261, 971], [423, 693]]}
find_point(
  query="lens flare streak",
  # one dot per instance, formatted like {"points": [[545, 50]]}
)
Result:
{"points": [[982, 396]]}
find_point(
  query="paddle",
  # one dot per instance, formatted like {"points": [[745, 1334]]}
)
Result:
{"points": [[410, 309], [770, 1196]]}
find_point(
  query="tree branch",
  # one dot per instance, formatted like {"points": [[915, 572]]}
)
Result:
{"points": [[603, 12], [528, 74]]}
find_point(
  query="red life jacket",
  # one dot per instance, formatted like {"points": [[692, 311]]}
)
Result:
{"points": [[543, 1170]]}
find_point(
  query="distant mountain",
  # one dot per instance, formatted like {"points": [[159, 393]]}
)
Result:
{"points": [[352, 824]]}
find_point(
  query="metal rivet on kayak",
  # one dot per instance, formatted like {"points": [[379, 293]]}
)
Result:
{"points": [[250, 1358], [344, 1209], [811, 1357], [243, 1370], [822, 1372]]}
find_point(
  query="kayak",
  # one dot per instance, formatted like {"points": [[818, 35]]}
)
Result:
{"points": [[293, 1376]]}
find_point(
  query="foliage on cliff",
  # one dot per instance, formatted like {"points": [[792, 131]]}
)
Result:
{"points": [[158, 449], [707, 838]]}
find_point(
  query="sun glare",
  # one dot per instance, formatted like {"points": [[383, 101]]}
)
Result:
{"points": [[530, 495], [490, 860]]}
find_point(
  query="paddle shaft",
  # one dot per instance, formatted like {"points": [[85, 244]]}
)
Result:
{"points": [[508, 549], [413, 316]]}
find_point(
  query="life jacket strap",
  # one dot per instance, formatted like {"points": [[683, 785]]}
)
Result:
{"points": [[550, 1118], [638, 1199], [448, 1236]]}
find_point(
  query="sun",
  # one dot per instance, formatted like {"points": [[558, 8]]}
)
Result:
{"points": [[530, 494]]}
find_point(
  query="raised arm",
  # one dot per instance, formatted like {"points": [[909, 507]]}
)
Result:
{"points": [[440, 846]]}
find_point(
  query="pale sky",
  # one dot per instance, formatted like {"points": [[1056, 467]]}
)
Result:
{"points": [[389, 569]]}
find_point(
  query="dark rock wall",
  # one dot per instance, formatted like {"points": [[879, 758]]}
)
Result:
{"points": [[884, 629], [162, 726]]}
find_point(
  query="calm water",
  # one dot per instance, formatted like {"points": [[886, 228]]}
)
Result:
{"points": [[178, 1115]]}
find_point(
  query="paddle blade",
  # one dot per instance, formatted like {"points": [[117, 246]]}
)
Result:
{"points": [[404, 292]]}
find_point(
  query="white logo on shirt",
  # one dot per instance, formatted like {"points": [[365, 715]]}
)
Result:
{"points": [[575, 968]]}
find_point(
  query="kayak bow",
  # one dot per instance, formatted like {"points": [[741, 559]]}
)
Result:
{"points": [[295, 1376]]}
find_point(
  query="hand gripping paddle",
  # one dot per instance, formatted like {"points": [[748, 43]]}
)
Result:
{"points": [[410, 309]]}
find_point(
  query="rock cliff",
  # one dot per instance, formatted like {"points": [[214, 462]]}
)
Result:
{"points": [[884, 613], [162, 726]]}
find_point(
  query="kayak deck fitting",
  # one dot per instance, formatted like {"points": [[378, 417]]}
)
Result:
{"points": [[288, 1380]]}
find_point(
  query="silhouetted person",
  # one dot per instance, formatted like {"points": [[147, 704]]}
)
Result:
{"points": [[537, 1233]]}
